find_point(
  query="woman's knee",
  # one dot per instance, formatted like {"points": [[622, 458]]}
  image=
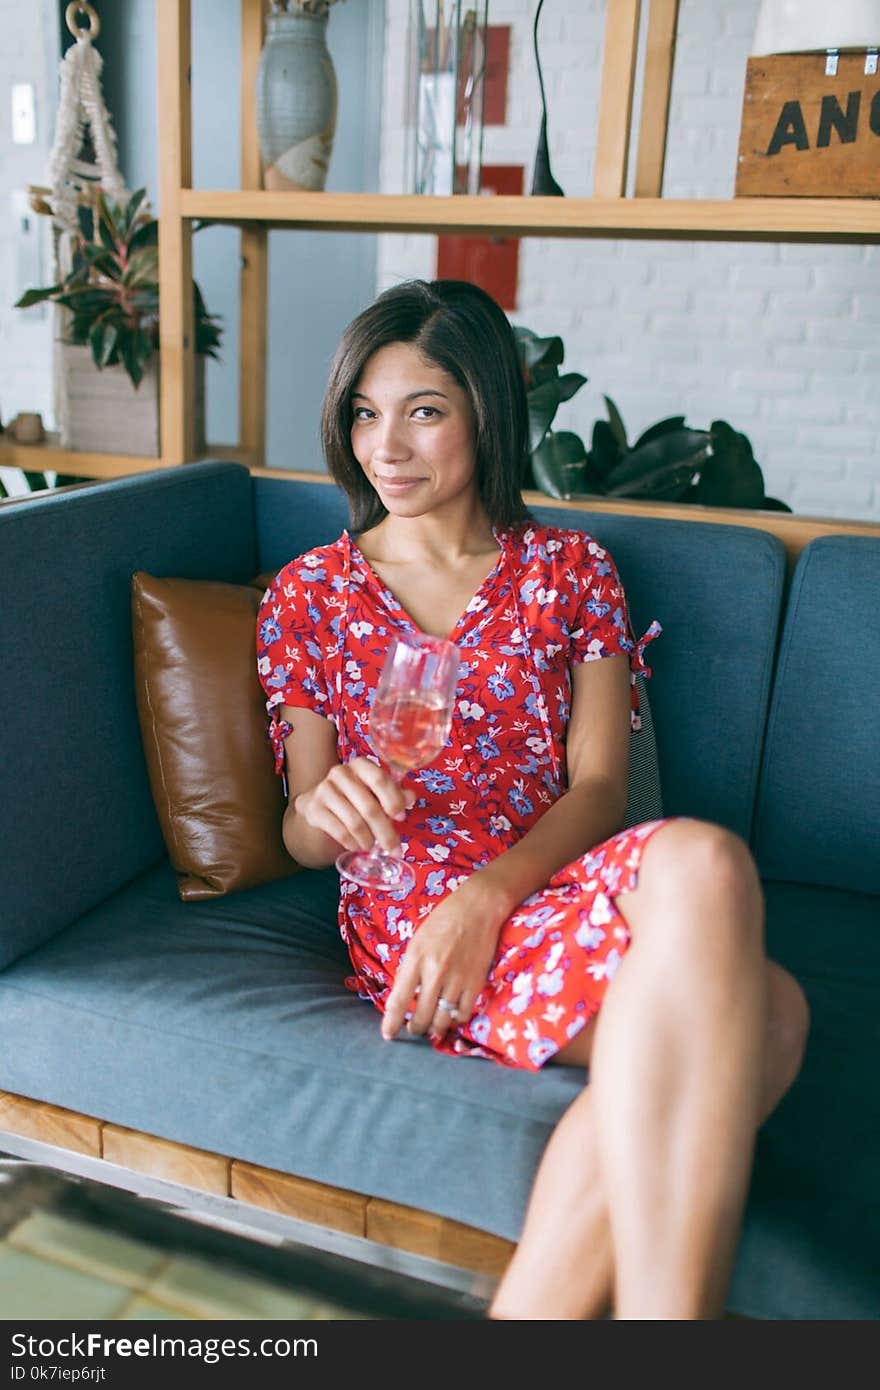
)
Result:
{"points": [[700, 864], [788, 1028]]}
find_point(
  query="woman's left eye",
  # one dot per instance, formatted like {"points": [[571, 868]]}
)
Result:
{"points": [[426, 411]]}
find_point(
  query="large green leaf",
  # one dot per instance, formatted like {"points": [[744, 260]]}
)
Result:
{"points": [[730, 477], [87, 299], [558, 464], [605, 452], [133, 356], [96, 343], [534, 350], [674, 422], [569, 384], [104, 261], [109, 230], [146, 235], [142, 267], [35, 297], [144, 298], [661, 469], [541, 372], [134, 203], [773, 504], [103, 339], [543, 404], [208, 329], [615, 423]]}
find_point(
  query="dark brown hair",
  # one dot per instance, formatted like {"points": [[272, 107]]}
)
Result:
{"points": [[459, 328]]}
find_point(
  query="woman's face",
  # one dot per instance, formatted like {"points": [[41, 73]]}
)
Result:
{"points": [[412, 432]]}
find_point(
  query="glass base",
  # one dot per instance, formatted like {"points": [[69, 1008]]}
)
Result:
{"points": [[376, 869]]}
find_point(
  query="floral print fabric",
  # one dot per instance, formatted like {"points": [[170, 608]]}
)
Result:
{"points": [[553, 598]]}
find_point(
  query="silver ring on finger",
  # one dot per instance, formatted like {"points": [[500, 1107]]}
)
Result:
{"points": [[447, 1007]]}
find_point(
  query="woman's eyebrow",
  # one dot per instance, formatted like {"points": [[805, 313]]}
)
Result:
{"points": [[411, 396]]}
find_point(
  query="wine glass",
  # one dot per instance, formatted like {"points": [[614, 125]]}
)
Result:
{"points": [[409, 724]]}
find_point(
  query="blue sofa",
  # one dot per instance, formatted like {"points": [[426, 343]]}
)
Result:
{"points": [[224, 1025]]}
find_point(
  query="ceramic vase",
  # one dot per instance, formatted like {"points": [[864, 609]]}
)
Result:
{"points": [[296, 101]]}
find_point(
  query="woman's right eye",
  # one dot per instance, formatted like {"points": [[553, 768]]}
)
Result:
{"points": [[361, 412]]}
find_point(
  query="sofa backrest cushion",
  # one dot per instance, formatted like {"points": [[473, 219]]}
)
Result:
{"points": [[77, 814], [203, 723], [819, 804], [717, 591]]}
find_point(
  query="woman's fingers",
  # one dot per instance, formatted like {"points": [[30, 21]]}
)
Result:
{"points": [[467, 1002], [394, 798], [400, 997], [352, 797], [361, 829], [448, 1012]]}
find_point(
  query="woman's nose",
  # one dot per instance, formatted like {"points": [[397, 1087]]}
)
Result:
{"points": [[390, 441]]}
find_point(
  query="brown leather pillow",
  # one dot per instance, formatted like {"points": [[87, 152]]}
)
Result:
{"points": [[203, 723]]}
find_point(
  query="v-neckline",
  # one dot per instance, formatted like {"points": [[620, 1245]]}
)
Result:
{"points": [[388, 593]]}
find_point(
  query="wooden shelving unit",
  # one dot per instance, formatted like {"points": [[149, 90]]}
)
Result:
{"points": [[734, 219], [50, 457], [255, 211]]}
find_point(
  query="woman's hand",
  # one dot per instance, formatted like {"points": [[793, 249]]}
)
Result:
{"points": [[448, 958], [356, 804]]}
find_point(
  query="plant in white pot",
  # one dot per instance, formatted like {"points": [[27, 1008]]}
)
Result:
{"points": [[107, 363]]}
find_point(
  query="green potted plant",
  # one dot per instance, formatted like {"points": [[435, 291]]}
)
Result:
{"points": [[111, 299], [557, 456], [669, 462]]}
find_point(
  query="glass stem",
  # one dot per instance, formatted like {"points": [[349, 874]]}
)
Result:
{"points": [[397, 775]]}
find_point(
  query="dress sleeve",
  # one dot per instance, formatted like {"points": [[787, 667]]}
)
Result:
{"points": [[291, 634], [602, 624]]}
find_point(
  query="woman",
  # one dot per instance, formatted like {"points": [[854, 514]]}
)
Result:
{"points": [[639, 952]]}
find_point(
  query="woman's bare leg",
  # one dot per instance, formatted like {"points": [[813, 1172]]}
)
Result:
{"points": [[566, 1265]]}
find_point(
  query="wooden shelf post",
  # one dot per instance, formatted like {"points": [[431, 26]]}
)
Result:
{"points": [[616, 97], [656, 91], [253, 280], [176, 328]]}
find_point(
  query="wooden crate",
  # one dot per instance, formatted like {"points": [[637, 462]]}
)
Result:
{"points": [[805, 134]]}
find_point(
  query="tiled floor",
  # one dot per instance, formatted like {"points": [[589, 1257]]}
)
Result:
{"points": [[52, 1266]]}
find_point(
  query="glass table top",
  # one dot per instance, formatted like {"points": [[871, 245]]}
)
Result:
{"points": [[82, 1238]]}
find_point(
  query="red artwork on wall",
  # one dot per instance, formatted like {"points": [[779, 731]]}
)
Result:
{"points": [[490, 262], [497, 64]]}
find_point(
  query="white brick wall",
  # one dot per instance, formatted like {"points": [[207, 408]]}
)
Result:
{"points": [[781, 340], [28, 53]]}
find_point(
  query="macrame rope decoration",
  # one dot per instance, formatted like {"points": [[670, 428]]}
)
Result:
{"points": [[72, 179]]}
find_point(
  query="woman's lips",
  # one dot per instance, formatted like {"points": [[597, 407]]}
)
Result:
{"points": [[398, 484]]}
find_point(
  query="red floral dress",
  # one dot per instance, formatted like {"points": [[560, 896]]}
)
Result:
{"points": [[553, 598]]}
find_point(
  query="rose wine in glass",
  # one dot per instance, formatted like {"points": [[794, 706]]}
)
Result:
{"points": [[409, 724]]}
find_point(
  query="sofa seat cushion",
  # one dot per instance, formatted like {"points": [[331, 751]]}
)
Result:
{"points": [[224, 1024], [812, 1229]]}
